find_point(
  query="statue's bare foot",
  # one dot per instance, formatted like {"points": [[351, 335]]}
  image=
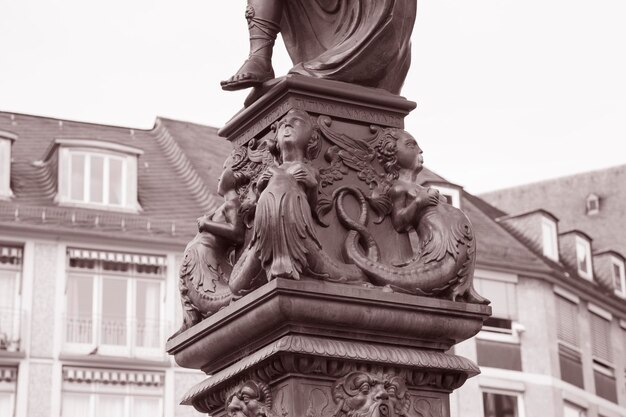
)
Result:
{"points": [[255, 71]]}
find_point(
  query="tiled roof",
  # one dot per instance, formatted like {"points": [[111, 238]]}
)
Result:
{"points": [[173, 189], [178, 174], [566, 199]]}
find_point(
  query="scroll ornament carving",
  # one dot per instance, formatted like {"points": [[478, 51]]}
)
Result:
{"points": [[444, 265]]}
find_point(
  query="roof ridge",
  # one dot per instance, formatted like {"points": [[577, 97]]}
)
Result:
{"points": [[58, 119], [168, 119], [552, 180], [183, 167]]}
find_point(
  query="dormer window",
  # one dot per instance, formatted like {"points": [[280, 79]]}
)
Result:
{"points": [[550, 243], [593, 204], [97, 174], [583, 258], [6, 140], [617, 273]]}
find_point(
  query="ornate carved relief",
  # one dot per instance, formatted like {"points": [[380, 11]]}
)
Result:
{"points": [[250, 399], [365, 394]]}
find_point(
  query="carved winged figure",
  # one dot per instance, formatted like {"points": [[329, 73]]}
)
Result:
{"points": [[284, 242], [445, 261]]}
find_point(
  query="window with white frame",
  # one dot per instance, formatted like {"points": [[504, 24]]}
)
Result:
{"points": [[501, 289], [114, 303], [549, 239], [570, 410], [593, 204], [97, 174], [8, 377], [583, 258], [502, 404], [106, 393], [618, 276], [10, 270], [5, 166], [97, 178]]}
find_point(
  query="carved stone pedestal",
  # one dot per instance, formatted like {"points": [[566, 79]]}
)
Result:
{"points": [[310, 343], [335, 309]]}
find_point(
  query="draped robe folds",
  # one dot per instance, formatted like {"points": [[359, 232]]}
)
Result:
{"points": [[366, 42]]}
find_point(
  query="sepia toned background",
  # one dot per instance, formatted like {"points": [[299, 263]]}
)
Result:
{"points": [[95, 215]]}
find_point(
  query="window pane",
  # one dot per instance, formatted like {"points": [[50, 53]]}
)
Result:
{"points": [[146, 407], [110, 406], [75, 405], [96, 177], [148, 314], [79, 325], [114, 311], [499, 405], [581, 254], [77, 177], [617, 277], [115, 181]]}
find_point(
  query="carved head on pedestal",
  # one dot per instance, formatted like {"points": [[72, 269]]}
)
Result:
{"points": [[297, 137], [250, 399], [362, 394], [398, 150]]}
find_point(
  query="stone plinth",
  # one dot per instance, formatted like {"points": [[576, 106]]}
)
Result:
{"points": [[371, 346], [301, 337]]}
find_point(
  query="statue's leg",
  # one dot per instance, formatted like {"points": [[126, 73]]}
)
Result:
{"points": [[263, 25]]}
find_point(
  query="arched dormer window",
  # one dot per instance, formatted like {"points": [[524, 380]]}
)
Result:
{"points": [[593, 204], [96, 174]]}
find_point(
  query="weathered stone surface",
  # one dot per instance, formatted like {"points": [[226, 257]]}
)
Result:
{"points": [[332, 309]]}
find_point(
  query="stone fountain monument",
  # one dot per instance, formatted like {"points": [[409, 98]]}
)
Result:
{"points": [[330, 282]]}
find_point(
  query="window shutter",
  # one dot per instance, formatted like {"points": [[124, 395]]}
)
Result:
{"points": [[567, 321], [601, 338], [503, 296]]}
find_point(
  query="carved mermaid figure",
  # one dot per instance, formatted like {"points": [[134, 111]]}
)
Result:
{"points": [[444, 264], [284, 243], [205, 270]]}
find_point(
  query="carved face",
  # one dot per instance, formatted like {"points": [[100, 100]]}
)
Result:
{"points": [[295, 129], [249, 400], [367, 395], [409, 154]]}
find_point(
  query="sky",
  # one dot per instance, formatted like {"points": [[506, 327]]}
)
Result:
{"points": [[508, 91]]}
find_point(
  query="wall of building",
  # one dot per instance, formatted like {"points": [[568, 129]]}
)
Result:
{"points": [[43, 356]]}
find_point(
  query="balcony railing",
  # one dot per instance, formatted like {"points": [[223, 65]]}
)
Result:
{"points": [[10, 329], [115, 331]]}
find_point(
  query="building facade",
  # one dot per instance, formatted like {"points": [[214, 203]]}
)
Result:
{"points": [[93, 223]]}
